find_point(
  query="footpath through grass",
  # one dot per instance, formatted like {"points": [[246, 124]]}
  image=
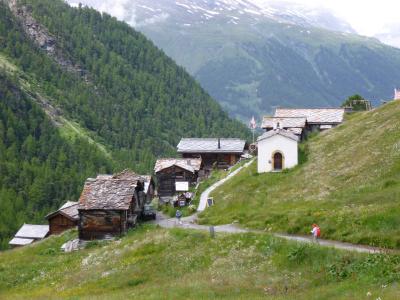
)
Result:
{"points": [[154, 263], [192, 208], [216, 175], [348, 183]]}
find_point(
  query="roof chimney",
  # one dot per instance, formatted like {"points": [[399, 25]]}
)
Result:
{"points": [[219, 143]]}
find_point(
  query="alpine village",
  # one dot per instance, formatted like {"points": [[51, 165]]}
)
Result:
{"points": [[190, 149]]}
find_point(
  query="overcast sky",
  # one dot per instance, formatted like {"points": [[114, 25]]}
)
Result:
{"points": [[367, 17]]}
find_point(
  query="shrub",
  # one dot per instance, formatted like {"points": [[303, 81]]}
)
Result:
{"points": [[298, 253], [135, 281]]}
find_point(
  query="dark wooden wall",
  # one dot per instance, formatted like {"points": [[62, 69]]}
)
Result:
{"points": [[100, 224], [166, 180], [210, 159], [59, 223]]}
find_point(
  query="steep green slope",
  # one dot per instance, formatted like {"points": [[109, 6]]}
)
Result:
{"points": [[131, 97], [153, 263], [349, 184], [39, 168], [257, 64]]}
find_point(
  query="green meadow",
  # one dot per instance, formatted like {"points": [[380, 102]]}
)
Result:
{"points": [[155, 263]]}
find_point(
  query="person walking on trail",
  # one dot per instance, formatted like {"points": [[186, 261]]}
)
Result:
{"points": [[178, 216], [316, 232]]}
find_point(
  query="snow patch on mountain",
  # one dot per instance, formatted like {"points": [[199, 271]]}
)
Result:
{"points": [[143, 12]]}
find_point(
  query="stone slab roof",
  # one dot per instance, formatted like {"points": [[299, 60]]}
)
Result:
{"points": [[29, 231], [289, 122], [295, 130], [69, 209], [282, 132], [189, 164], [210, 145], [20, 242], [110, 193], [313, 115]]}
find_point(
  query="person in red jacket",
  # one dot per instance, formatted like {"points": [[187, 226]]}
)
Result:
{"points": [[316, 232]]}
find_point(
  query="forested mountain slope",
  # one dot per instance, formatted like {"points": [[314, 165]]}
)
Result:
{"points": [[348, 183], [132, 97], [85, 95], [39, 169]]}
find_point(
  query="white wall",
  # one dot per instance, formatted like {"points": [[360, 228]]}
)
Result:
{"points": [[267, 147]]}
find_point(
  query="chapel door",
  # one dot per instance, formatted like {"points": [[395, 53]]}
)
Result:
{"points": [[278, 161]]}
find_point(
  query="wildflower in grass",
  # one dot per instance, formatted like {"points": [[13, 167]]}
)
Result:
{"points": [[369, 294]]}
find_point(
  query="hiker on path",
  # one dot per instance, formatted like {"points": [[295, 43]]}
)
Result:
{"points": [[178, 216], [316, 232]]}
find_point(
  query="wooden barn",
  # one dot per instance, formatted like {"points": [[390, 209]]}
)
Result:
{"points": [[171, 173], [29, 234], [109, 205], [66, 217], [218, 152]]}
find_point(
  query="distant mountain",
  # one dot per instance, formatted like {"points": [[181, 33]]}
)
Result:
{"points": [[252, 57], [303, 15], [142, 12]]}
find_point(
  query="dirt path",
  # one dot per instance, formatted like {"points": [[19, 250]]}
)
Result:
{"points": [[204, 196], [190, 223]]}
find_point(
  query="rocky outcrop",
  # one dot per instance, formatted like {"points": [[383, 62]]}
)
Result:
{"points": [[54, 113], [40, 35]]}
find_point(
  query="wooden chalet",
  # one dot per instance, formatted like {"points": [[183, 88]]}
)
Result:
{"points": [[173, 172], [304, 120], [109, 205], [219, 152], [66, 217], [29, 234]]}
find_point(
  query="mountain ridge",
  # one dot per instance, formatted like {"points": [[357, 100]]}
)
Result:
{"points": [[141, 12]]}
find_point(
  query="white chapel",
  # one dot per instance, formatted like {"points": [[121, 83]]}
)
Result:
{"points": [[277, 150]]}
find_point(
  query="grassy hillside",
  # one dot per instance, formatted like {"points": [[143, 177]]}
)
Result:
{"points": [[349, 184], [153, 263]]}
